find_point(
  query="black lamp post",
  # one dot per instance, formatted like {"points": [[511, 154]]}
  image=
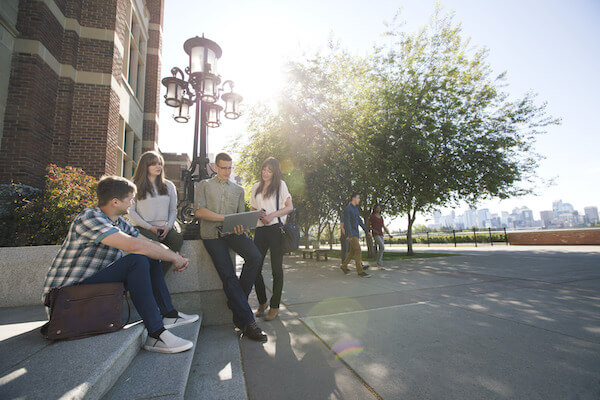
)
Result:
{"points": [[201, 88]]}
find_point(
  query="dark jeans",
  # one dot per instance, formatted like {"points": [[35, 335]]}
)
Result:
{"points": [[173, 240], [143, 278], [265, 238], [236, 290]]}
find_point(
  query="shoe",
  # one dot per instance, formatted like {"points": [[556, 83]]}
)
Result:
{"points": [[366, 266], [167, 343], [261, 310], [379, 265], [346, 271], [364, 275], [272, 314], [182, 319], [254, 332]]}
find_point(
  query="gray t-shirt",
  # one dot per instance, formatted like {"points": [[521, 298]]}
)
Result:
{"points": [[221, 197]]}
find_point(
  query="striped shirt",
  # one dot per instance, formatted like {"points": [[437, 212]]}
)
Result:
{"points": [[82, 254]]}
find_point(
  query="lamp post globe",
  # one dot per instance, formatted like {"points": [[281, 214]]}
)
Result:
{"points": [[202, 89]]}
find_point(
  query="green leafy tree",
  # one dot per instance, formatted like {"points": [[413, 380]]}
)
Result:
{"points": [[445, 131]]}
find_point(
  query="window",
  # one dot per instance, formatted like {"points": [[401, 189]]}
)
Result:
{"points": [[129, 151], [134, 62]]}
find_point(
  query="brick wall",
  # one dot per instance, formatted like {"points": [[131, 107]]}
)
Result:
{"points": [[53, 119], [28, 121], [556, 237]]}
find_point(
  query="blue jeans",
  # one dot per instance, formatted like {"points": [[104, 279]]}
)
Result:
{"points": [[379, 244], [236, 290], [143, 278]]}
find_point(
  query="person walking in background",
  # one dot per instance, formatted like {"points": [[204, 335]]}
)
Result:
{"points": [[154, 211], [377, 227], [350, 221], [265, 195]]}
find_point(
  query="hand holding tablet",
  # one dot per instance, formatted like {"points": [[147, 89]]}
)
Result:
{"points": [[241, 222]]}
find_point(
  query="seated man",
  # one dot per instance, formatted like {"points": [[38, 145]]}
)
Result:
{"points": [[215, 198], [93, 253]]}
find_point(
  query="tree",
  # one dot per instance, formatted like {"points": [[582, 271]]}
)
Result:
{"points": [[444, 129]]}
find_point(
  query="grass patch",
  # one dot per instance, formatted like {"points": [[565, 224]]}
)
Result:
{"points": [[387, 256]]}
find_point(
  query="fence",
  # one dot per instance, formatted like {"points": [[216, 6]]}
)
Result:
{"points": [[475, 236]]}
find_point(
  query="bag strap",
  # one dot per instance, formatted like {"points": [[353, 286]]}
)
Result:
{"points": [[277, 205]]}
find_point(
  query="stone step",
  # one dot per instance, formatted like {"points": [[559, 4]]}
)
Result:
{"points": [[217, 372], [34, 368], [156, 375]]}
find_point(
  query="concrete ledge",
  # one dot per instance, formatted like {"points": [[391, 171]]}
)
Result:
{"points": [[556, 237], [199, 288], [23, 272]]}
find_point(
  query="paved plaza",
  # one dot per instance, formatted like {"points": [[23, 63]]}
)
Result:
{"points": [[485, 323]]}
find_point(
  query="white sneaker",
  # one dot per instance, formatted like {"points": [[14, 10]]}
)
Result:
{"points": [[182, 319], [167, 343]]}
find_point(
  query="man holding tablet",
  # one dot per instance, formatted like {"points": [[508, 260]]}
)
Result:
{"points": [[215, 198]]}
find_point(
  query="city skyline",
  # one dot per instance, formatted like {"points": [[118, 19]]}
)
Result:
{"points": [[559, 215]]}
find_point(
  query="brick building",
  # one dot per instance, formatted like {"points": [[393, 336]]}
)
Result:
{"points": [[174, 166], [79, 85]]}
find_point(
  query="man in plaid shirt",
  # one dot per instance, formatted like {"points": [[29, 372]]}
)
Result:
{"points": [[93, 253]]}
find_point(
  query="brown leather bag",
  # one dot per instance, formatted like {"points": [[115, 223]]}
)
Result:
{"points": [[80, 311]]}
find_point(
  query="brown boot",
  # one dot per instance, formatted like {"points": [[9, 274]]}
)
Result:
{"points": [[272, 314], [261, 310]]}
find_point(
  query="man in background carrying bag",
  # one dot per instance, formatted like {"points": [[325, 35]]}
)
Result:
{"points": [[93, 253]]}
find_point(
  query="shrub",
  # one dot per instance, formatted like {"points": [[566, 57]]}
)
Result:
{"points": [[46, 219]]}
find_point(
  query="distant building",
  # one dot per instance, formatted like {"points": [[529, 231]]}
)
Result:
{"points": [[591, 214], [175, 164], [546, 217]]}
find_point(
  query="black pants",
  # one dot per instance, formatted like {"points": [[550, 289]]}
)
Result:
{"points": [[265, 238]]}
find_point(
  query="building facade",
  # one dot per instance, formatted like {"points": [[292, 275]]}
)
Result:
{"points": [[79, 85]]}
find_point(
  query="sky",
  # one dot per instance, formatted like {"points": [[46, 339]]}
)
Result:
{"points": [[551, 48]]}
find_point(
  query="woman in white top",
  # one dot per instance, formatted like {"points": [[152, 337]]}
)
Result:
{"points": [[155, 205], [268, 231]]}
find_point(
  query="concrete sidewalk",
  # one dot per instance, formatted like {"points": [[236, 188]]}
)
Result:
{"points": [[494, 322]]}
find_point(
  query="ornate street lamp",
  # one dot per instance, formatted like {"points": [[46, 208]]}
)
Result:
{"points": [[201, 88]]}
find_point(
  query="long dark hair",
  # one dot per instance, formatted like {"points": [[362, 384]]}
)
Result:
{"points": [[273, 165], [140, 177], [374, 207]]}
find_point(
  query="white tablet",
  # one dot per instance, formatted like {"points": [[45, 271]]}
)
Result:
{"points": [[247, 219]]}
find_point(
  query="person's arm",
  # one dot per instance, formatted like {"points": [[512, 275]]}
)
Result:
{"points": [[342, 228], [146, 247], [206, 214], [288, 208], [362, 225], [385, 228]]}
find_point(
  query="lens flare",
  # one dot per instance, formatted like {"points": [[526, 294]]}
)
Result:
{"points": [[347, 348]]}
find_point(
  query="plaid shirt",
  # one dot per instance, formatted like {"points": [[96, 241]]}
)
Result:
{"points": [[82, 254]]}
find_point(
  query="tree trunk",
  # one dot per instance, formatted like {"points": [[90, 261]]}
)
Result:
{"points": [[305, 230], [409, 243]]}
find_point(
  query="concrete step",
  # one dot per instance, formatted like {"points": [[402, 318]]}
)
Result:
{"points": [[34, 368], [156, 375], [217, 372]]}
